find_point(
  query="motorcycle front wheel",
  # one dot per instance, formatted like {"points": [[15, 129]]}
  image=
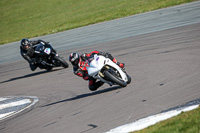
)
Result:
{"points": [[114, 79], [61, 61]]}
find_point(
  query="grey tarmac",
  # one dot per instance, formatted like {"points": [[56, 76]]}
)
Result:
{"points": [[164, 65]]}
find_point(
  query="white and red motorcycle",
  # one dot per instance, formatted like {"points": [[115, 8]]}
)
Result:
{"points": [[107, 71]]}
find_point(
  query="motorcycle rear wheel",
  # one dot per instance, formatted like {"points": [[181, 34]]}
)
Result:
{"points": [[114, 79]]}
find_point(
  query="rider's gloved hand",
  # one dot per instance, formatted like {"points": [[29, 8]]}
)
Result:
{"points": [[79, 72]]}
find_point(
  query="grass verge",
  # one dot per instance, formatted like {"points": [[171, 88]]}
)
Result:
{"points": [[31, 18], [186, 122]]}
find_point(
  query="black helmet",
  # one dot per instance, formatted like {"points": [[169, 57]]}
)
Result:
{"points": [[74, 59], [25, 43]]}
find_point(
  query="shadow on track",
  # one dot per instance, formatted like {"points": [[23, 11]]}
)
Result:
{"points": [[85, 95], [28, 75]]}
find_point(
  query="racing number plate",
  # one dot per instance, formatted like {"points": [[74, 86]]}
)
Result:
{"points": [[47, 50]]}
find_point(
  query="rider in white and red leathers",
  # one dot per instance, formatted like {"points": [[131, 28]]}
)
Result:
{"points": [[79, 67]]}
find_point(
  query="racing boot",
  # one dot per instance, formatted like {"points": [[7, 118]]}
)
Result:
{"points": [[33, 65], [121, 65]]}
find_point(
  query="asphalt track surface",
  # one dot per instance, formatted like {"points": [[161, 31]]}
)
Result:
{"points": [[164, 64]]}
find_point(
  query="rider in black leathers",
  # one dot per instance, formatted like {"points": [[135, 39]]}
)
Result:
{"points": [[27, 50]]}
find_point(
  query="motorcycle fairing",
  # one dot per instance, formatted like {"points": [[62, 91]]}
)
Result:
{"points": [[39, 48], [95, 64]]}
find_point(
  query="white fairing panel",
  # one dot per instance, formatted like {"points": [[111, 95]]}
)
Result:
{"points": [[95, 65]]}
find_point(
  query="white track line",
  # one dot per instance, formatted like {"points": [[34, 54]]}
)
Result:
{"points": [[2, 98], [17, 103], [151, 120], [27, 101]]}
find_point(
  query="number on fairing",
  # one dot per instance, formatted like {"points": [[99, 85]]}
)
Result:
{"points": [[47, 50]]}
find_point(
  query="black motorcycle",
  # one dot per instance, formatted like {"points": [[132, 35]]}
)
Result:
{"points": [[47, 58]]}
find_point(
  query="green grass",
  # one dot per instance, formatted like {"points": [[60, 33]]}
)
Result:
{"points": [[31, 18], [187, 122]]}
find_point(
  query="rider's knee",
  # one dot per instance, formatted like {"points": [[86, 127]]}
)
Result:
{"points": [[33, 67], [92, 88]]}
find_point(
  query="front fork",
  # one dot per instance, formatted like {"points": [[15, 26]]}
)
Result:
{"points": [[101, 74]]}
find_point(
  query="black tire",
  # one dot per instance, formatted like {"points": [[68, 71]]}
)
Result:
{"points": [[129, 79], [61, 61], [114, 79]]}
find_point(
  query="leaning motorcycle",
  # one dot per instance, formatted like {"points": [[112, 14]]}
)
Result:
{"points": [[102, 68], [47, 58]]}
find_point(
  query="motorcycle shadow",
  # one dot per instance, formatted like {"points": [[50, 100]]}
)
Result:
{"points": [[78, 97], [29, 75]]}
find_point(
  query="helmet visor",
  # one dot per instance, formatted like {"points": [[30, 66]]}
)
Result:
{"points": [[26, 46]]}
